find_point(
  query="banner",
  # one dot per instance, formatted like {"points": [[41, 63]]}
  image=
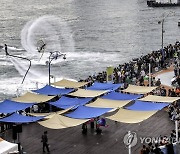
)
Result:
{"points": [[109, 72]]}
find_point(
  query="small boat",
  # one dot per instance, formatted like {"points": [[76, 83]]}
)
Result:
{"points": [[153, 3]]}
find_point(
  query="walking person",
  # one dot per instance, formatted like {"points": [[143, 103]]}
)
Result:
{"points": [[45, 141]]}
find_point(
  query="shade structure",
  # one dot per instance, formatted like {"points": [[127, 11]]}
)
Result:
{"points": [[7, 147], [104, 86], [32, 97], [106, 103], [18, 118], [59, 122], [50, 90], [69, 84], [8, 106], [165, 99], [85, 112], [67, 102], [146, 106], [138, 89], [129, 116], [87, 93], [121, 96], [50, 114]]}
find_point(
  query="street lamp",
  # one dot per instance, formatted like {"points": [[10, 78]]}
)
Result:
{"points": [[54, 55], [162, 27]]}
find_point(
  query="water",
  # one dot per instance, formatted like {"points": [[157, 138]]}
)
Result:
{"points": [[93, 34]]}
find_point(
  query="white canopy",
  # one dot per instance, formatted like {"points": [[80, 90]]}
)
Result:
{"points": [[165, 99], [7, 147], [139, 89]]}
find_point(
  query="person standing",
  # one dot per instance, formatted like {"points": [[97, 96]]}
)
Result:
{"points": [[45, 141]]}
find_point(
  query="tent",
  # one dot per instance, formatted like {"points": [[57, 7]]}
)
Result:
{"points": [[138, 89], [32, 97], [50, 90], [104, 86], [165, 99], [7, 147], [87, 93], [121, 96], [146, 106], [58, 122], [69, 84], [18, 118], [8, 106], [66, 102], [129, 116], [106, 103], [85, 112]]}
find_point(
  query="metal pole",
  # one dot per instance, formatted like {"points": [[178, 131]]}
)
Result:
{"points": [[176, 128], [149, 74], [129, 146], [49, 71], [162, 34]]}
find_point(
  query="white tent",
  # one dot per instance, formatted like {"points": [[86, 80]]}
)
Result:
{"points": [[7, 147]]}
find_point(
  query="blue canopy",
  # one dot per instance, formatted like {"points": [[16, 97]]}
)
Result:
{"points": [[18, 118], [121, 96], [104, 86], [49, 90], [66, 102], [85, 112], [8, 106], [147, 106]]}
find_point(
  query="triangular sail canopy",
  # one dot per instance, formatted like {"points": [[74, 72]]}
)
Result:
{"points": [[129, 116], [69, 84], [8, 106], [50, 90], [18, 118], [59, 122], [84, 112], [138, 89], [104, 86], [165, 99], [121, 96], [66, 102], [32, 97], [146, 106], [87, 93], [107, 103]]}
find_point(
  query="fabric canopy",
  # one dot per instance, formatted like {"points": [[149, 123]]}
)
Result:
{"points": [[87, 93], [49, 90], [85, 112], [8, 106], [18, 118], [32, 97], [106, 103], [129, 116], [66, 102], [69, 84], [121, 96], [104, 86], [7, 147], [59, 122], [146, 106], [138, 89], [154, 98]]}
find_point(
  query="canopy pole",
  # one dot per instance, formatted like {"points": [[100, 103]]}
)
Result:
{"points": [[176, 128], [129, 146]]}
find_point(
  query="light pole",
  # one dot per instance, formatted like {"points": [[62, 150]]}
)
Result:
{"points": [[54, 55], [162, 27]]}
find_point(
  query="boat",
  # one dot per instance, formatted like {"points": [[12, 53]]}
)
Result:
{"points": [[153, 3]]}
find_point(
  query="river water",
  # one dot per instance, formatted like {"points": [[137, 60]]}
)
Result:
{"points": [[93, 34]]}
